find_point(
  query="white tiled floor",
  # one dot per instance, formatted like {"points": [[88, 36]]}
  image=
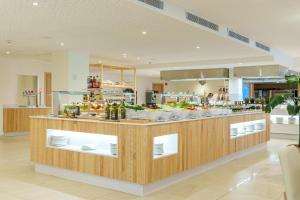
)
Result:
{"points": [[254, 177]]}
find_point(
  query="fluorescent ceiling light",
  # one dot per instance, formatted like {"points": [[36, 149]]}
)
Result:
{"points": [[199, 79], [260, 77], [35, 3]]}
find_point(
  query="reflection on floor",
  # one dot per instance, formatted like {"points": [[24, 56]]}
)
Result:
{"points": [[255, 177]]}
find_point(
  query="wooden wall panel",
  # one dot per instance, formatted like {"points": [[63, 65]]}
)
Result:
{"points": [[17, 119]]}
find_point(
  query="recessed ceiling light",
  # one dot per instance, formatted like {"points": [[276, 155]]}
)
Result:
{"points": [[7, 52], [144, 33], [35, 3], [124, 55], [240, 63], [197, 47], [99, 61], [62, 44]]}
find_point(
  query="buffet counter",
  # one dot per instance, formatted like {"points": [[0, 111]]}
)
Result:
{"points": [[139, 158], [16, 118]]}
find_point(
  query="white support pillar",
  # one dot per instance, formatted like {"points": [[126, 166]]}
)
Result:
{"points": [[70, 71], [235, 87]]}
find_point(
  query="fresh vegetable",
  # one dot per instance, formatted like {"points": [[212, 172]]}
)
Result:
{"points": [[190, 108], [135, 107], [185, 105]]}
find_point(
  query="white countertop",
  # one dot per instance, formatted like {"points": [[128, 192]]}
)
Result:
{"points": [[22, 107], [142, 124]]}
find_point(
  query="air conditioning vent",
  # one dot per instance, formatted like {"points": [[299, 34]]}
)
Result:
{"points": [[154, 3], [238, 36], [262, 46], [201, 21]]}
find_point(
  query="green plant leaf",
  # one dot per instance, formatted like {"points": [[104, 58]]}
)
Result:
{"points": [[277, 100], [293, 79], [293, 109], [268, 108]]}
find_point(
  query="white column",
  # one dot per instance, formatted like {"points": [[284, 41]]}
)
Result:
{"points": [[70, 71], [236, 89]]}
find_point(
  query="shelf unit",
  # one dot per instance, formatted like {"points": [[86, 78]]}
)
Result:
{"points": [[241, 128], [75, 140], [168, 145], [103, 67]]}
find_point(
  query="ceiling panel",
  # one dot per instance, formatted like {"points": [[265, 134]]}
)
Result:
{"points": [[107, 29], [275, 22]]}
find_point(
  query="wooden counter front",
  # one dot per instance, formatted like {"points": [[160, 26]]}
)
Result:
{"points": [[199, 142], [17, 119]]}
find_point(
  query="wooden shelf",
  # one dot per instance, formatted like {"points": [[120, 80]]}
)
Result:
{"points": [[76, 148], [106, 66], [102, 67], [117, 86], [246, 134], [114, 97], [93, 89]]}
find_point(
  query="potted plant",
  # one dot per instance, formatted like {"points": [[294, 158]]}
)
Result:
{"points": [[292, 108]]}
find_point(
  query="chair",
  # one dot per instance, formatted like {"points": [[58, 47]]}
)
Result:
{"points": [[290, 164]]}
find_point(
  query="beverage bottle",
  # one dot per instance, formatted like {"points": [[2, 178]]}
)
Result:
{"points": [[97, 83], [78, 109], [90, 82], [107, 111], [91, 97], [114, 112], [94, 82], [123, 110], [85, 98]]}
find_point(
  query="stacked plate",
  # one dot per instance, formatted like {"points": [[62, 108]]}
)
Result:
{"points": [[158, 149], [249, 128], [234, 131], [88, 147], [259, 126], [58, 141], [113, 149]]}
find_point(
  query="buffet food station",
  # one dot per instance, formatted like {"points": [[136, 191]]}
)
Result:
{"points": [[138, 148], [139, 158]]}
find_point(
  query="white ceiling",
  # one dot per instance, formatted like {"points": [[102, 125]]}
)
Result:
{"points": [[109, 28], [276, 22]]}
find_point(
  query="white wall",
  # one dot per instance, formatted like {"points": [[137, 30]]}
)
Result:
{"points": [[11, 67], [194, 86]]}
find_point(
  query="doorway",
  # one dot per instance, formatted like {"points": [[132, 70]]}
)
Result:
{"points": [[48, 89]]}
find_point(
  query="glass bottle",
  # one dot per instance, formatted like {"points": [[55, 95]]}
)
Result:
{"points": [[114, 112], [123, 110], [107, 111]]}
